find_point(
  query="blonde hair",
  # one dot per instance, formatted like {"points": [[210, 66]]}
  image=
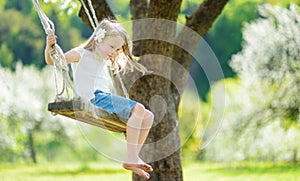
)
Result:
{"points": [[124, 60]]}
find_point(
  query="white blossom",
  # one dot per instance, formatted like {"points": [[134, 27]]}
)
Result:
{"points": [[100, 35]]}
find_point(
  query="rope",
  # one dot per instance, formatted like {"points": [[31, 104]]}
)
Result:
{"points": [[56, 54], [93, 12], [46, 22], [123, 86], [88, 13]]}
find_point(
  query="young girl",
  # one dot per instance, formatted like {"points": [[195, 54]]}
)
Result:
{"points": [[108, 47]]}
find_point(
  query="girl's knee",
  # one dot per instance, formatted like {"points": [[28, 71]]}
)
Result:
{"points": [[138, 109], [149, 115], [148, 118]]}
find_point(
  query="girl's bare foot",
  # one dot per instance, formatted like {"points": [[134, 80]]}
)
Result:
{"points": [[138, 169], [144, 166], [139, 163]]}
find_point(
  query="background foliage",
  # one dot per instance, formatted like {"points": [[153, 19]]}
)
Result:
{"points": [[261, 120]]}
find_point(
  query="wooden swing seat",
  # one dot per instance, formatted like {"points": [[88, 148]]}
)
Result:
{"points": [[80, 110]]}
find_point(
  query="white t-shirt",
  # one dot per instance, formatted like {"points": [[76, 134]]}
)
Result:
{"points": [[90, 74]]}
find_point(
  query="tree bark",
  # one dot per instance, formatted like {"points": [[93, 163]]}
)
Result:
{"points": [[139, 10], [163, 155], [203, 18]]}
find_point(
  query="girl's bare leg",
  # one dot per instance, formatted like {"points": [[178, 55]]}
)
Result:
{"points": [[146, 125], [136, 132]]}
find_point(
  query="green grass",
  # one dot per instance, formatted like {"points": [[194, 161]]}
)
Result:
{"points": [[65, 172], [243, 171], [114, 171]]}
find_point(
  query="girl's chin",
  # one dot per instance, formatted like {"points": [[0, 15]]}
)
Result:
{"points": [[105, 56], [102, 55]]}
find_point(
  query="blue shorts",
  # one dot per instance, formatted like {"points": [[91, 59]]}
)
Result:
{"points": [[114, 103]]}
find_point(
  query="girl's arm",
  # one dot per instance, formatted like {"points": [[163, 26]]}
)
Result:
{"points": [[50, 41], [71, 56]]}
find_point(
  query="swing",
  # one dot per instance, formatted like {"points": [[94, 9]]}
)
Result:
{"points": [[77, 108]]}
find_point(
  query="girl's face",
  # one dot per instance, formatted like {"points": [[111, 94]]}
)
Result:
{"points": [[110, 46]]}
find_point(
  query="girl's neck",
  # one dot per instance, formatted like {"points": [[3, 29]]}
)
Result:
{"points": [[96, 54]]}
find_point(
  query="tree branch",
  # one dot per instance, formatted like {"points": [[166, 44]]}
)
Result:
{"points": [[189, 37], [200, 22], [203, 18]]}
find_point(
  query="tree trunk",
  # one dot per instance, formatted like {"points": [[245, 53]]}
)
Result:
{"points": [[295, 155], [31, 147], [162, 148]]}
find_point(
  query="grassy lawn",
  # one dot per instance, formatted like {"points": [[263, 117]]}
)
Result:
{"points": [[242, 172], [114, 171]]}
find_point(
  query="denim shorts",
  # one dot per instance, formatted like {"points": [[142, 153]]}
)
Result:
{"points": [[113, 103]]}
